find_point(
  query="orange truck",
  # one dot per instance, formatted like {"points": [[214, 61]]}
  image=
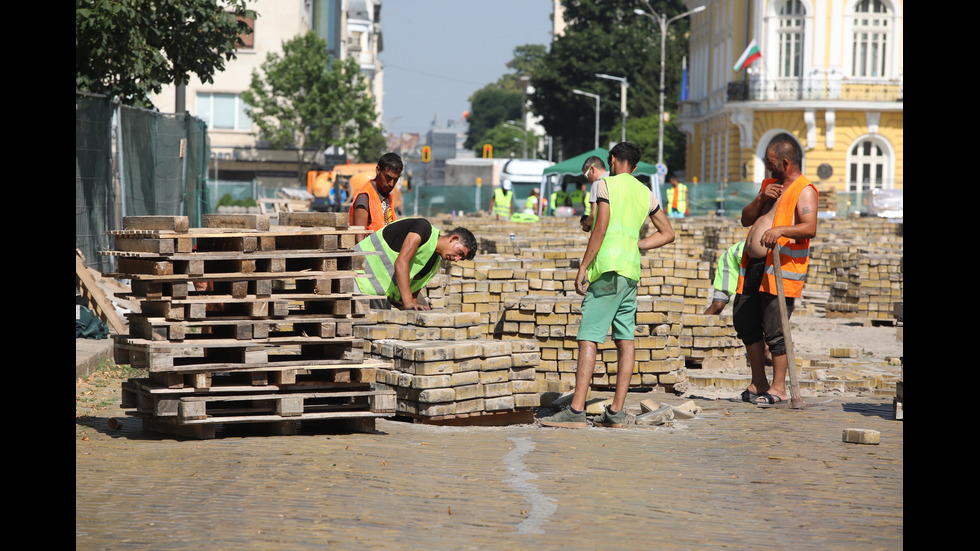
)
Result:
{"points": [[348, 176]]}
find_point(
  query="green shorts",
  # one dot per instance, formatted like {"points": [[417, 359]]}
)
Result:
{"points": [[609, 301]]}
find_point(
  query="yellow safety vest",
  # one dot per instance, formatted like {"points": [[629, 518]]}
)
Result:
{"points": [[629, 206], [379, 278]]}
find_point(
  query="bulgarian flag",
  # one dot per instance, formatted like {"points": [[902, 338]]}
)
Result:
{"points": [[748, 56]]}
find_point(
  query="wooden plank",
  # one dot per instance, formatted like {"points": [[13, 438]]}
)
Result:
{"points": [[99, 302], [314, 219], [238, 221], [171, 223]]}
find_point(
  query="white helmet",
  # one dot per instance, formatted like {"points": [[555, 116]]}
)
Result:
{"points": [[506, 185]]}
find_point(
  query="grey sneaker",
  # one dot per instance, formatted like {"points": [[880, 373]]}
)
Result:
{"points": [[566, 419], [607, 419]]}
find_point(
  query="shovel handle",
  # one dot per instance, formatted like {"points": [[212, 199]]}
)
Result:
{"points": [[794, 381]]}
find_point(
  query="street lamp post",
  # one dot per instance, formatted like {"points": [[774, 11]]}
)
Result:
{"points": [[596, 96], [513, 124], [663, 21], [623, 86]]}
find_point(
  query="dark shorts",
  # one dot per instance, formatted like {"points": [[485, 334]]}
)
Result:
{"points": [[756, 313]]}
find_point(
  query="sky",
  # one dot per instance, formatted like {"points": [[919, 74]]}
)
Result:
{"points": [[438, 52]]}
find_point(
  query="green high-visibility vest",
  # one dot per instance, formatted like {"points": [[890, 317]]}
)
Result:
{"points": [[629, 206], [726, 274], [379, 278], [501, 201]]}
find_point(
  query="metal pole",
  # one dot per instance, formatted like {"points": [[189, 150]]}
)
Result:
{"points": [[576, 91]]}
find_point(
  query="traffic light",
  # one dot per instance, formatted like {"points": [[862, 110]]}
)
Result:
{"points": [[487, 151], [426, 153]]}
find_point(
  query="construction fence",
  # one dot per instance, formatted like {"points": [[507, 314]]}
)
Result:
{"points": [[134, 162]]}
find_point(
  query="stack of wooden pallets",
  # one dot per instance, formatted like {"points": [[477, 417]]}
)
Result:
{"points": [[245, 322]]}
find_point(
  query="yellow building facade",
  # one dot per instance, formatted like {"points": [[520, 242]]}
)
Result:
{"points": [[830, 76]]}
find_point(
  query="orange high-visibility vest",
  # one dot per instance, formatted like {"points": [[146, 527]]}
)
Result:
{"points": [[794, 257], [378, 220]]}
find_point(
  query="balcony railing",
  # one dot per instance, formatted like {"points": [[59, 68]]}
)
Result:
{"points": [[820, 88]]}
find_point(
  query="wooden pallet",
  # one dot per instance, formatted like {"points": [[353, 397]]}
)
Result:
{"points": [[229, 355], [196, 412], [325, 326]]}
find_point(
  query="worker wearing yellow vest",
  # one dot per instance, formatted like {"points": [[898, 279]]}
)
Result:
{"points": [[558, 199], [502, 204], [783, 215], [676, 203], [611, 266], [530, 212], [725, 281], [412, 251]]}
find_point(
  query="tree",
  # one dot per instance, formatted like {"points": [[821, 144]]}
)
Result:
{"points": [[507, 141], [306, 100], [643, 132], [611, 39], [132, 48], [501, 101]]}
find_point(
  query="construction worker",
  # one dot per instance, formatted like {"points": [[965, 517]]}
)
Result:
{"points": [[502, 203], [371, 204], [611, 267], [530, 212], [676, 204], [558, 198], [783, 215], [726, 278], [413, 251]]}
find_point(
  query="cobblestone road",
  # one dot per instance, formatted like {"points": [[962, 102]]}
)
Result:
{"points": [[736, 477]]}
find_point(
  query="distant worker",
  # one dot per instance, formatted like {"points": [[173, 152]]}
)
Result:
{"points": [[530, 212], [502, 203], [558, 199], [371, 205], [413, 251], [579, 199], [594, 171], [676, 203], [726, 278]]}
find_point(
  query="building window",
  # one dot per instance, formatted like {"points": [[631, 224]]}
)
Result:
{"points": [[868, 166], [871, 31], [248, 40], [223, 111], [789, 36]]}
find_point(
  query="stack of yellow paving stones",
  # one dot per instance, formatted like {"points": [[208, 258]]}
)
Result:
{"points": [[865, 285], [436, 380], [554, 322]]}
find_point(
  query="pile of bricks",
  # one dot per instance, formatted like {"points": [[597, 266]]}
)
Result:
{"points": [[553, 322], [443, 370], [453, 380], [865, 285]]}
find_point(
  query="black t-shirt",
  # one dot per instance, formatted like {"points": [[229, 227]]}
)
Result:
{"points": [[395, 233]]}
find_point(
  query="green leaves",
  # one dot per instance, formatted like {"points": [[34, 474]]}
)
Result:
{"points": [[131, 48], [308, 100], [609, 38]]}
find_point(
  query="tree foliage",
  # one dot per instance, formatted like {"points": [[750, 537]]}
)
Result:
{"points": [[603, 37], [501, 101], [305, 99], [132, 48]]}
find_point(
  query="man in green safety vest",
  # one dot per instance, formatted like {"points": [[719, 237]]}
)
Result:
{"points": [[611, 266], [725, 282], [412, 251], [502, 203], [558, 199]]}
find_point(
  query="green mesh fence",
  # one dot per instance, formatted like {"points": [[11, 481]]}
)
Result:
{"points": [[93, 189], [156, 165]]}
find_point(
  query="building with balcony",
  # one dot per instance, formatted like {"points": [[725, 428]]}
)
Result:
{"points": [[830, 77]]}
